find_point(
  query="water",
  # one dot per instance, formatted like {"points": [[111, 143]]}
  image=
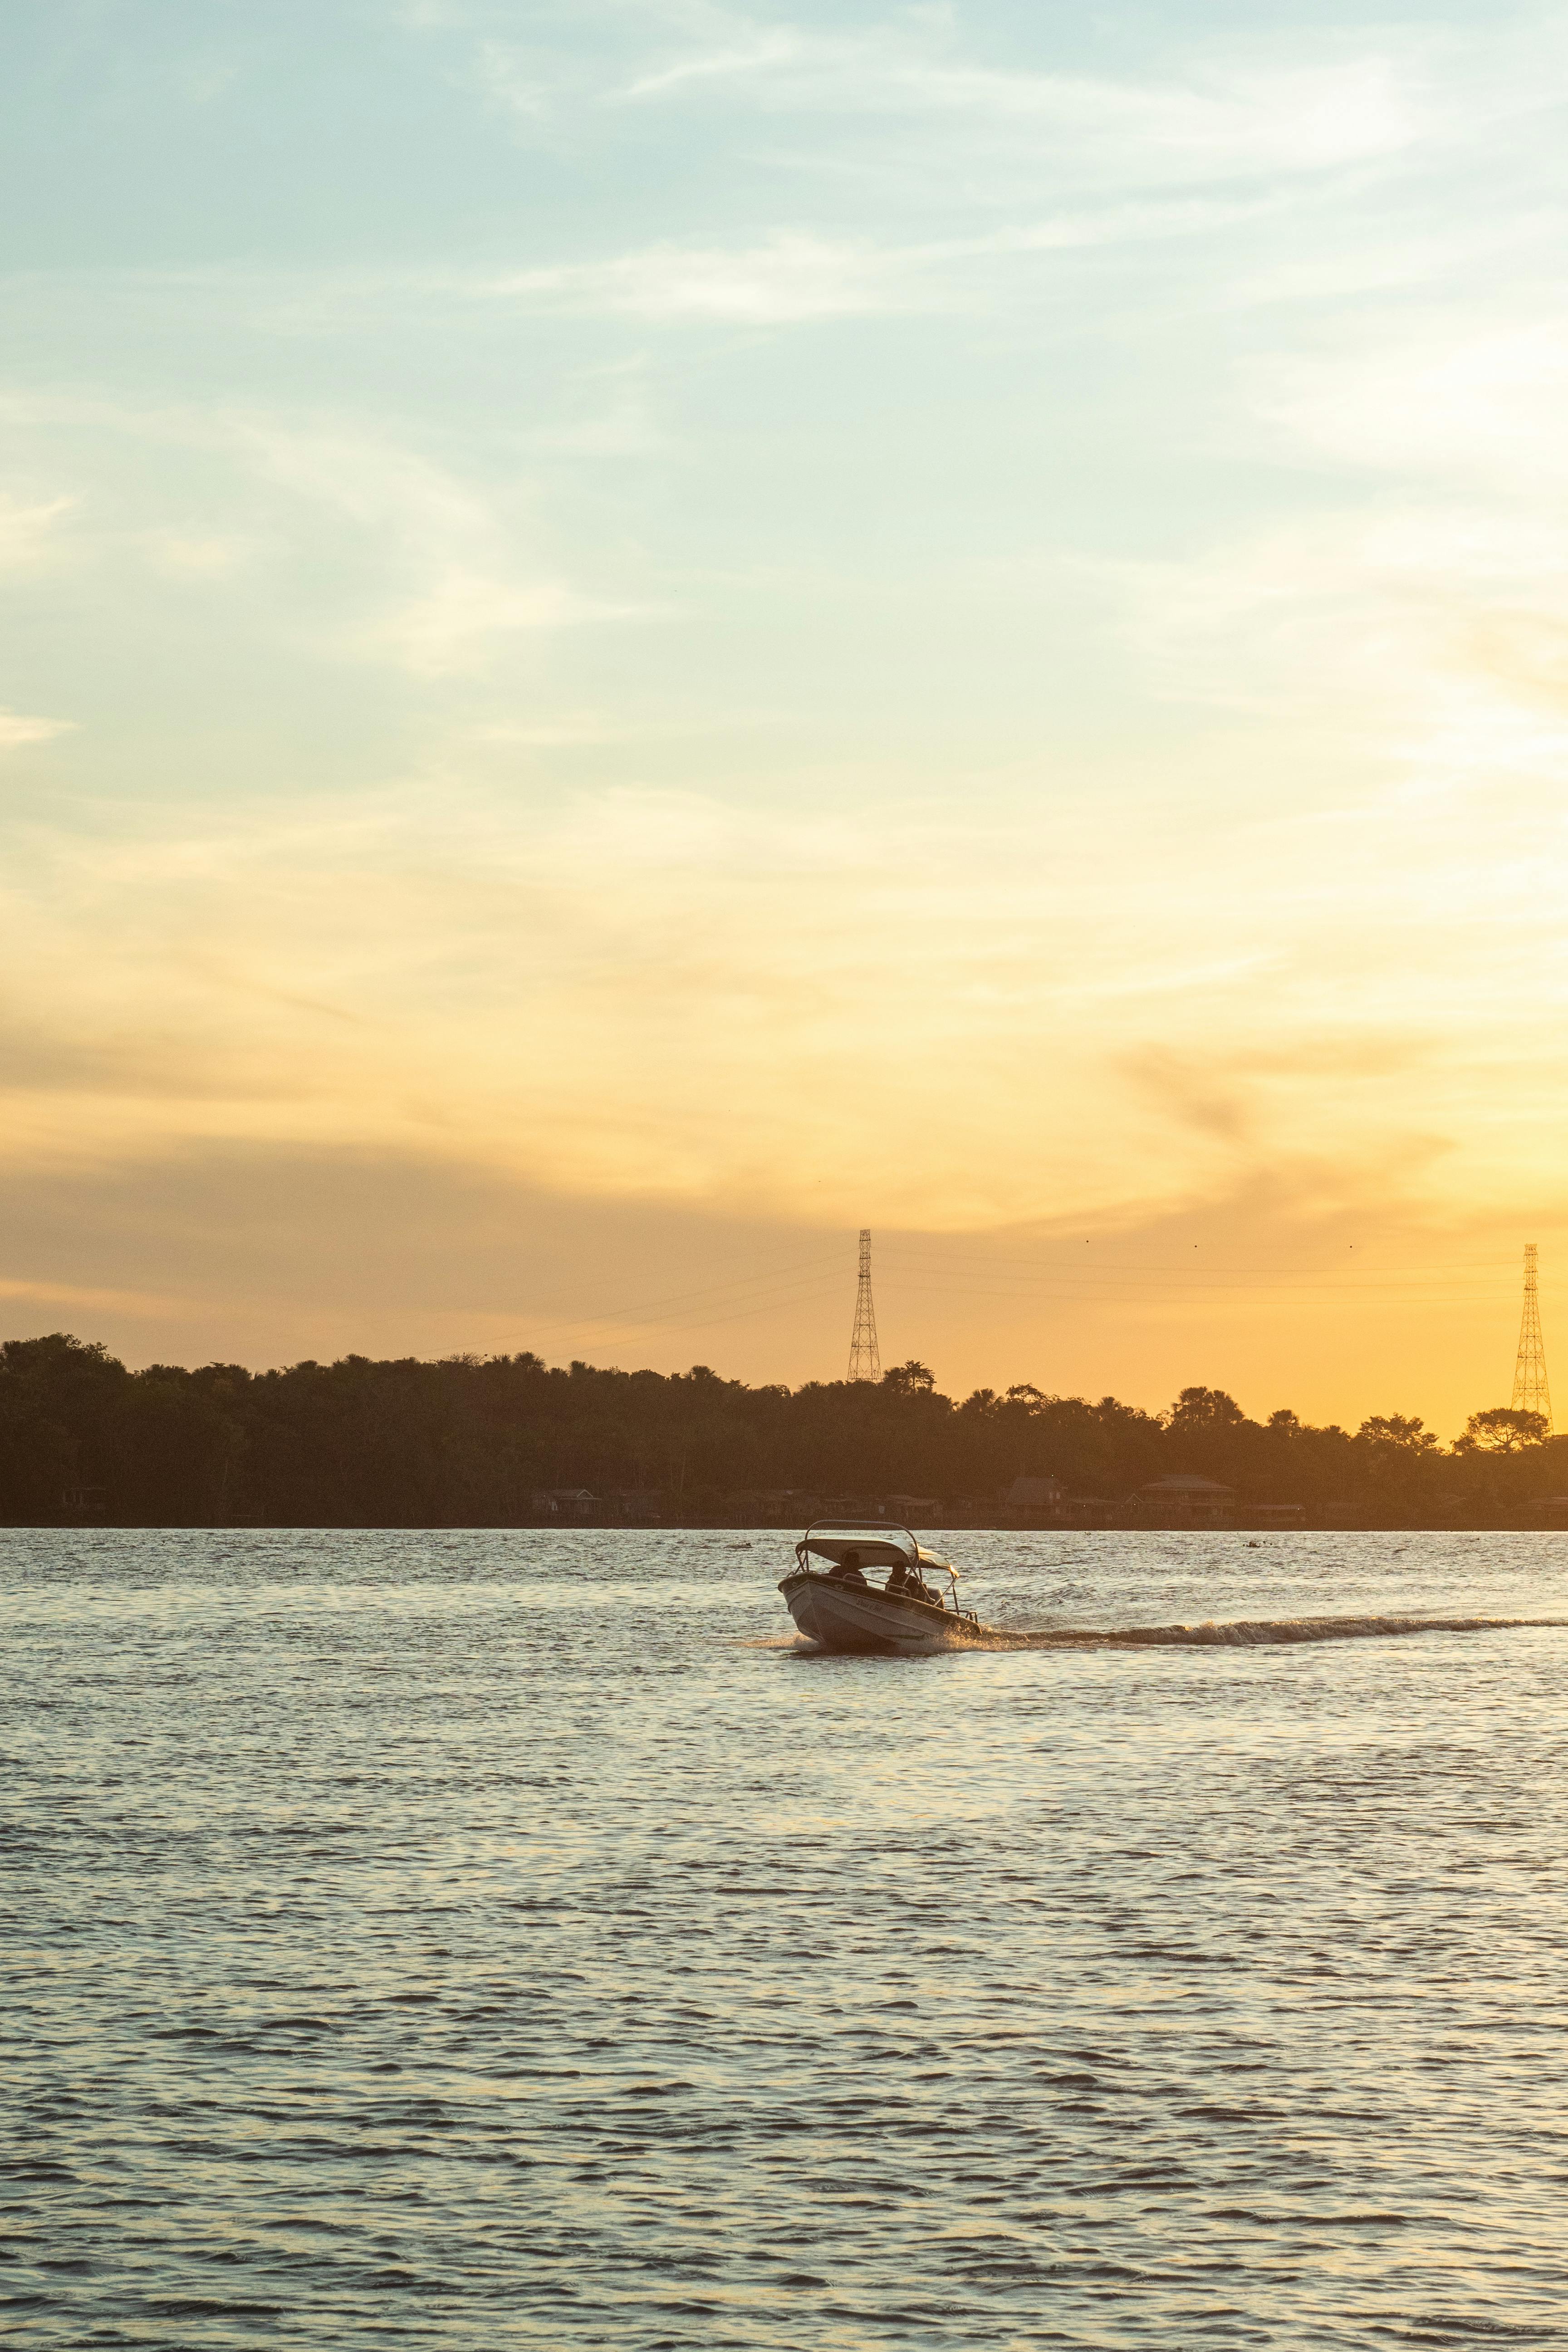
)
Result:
{"points": [[505, 1938]]}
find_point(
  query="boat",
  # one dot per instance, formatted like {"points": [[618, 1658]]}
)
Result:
{"points": [[838, 1606]]}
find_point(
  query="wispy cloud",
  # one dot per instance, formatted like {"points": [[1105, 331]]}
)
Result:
{"points": [[1458, 396], [462, 552], [1213, 120], [791, 276], [30, 530], [1113, 738], [184, 555], [1199, 108], [82, 1299], [658, 991], [435, 567], [896, 118], [16, 729], [453, 625]]}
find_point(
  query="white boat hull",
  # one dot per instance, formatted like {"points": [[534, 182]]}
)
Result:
{"points": [[864, 1621]]}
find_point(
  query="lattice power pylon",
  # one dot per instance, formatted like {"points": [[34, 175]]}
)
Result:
{"points": [[1531, 1393], [865, 1360]]}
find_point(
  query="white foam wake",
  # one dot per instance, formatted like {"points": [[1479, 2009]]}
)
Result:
{"points": [[1240, 1633]]}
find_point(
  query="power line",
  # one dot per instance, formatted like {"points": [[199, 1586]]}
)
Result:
{"points": [[1073, 1268], [718, 1291], [1156, 1288], [1036, 1283]]}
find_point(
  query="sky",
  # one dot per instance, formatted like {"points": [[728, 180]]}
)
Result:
{"points": [[633, 636]]}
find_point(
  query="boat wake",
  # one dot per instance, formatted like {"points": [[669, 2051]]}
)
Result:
{"points": [[842, 1613], [1239, 1634]]}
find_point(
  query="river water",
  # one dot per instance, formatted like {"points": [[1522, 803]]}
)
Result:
{"points": [[496, 1938]]}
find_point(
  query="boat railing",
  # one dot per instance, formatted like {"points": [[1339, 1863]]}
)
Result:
{"points": [[882, 1531]]}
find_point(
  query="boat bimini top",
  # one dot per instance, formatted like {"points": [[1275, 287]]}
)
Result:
{"points": [[843, 1608], [875, 1544]]}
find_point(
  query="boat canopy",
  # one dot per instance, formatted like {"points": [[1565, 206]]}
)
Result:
{"points": [[874, 1544]]}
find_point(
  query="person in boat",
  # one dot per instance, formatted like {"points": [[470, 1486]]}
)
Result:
{"points": [[906, 1582], [848, 1571]]}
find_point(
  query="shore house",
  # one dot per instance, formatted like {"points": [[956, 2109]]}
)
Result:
{"points": [[572, 1504], [1185, 1502], [913, 1510], [1029, 1500]]}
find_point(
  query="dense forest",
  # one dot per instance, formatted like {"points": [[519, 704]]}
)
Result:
{"points": [[475, 1441]]}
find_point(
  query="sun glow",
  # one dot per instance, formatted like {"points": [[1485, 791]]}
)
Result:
{"points": [[826, 724]]}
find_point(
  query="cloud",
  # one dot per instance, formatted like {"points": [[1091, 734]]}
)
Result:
{"points": [[790, 276], [1213, 121], [1205, 110], [910, 114], [787, 278], [574, 730], [180, 555], [73, 1299], [508, 82], [29, 530], [15, 730], [270, 1253], [468, 582], [1477, 400], [655, 993], [1326, 1287], [905, 884], [432, 568], [452, 628]]}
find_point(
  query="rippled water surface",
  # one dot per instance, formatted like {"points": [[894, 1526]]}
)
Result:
{"points": [[507, 1938]]}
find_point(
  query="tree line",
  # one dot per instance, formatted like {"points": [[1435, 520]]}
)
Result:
{"points": [[471, 1441]]}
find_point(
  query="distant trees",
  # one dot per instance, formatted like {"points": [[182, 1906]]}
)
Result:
{"points": [[1204, 1409], [1501, 1429], [1405, 1435], [468, 1441]]}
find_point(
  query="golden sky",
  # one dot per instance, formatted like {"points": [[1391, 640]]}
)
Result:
{"points": [[688, 629]]}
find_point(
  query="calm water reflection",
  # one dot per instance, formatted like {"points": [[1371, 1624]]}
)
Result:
{"points": [[486, 1939]]}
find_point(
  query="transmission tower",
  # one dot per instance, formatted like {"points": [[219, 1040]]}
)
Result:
{"points": [[864, 1361], [1531, 1393]]}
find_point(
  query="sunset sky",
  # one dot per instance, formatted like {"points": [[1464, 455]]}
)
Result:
{"points": [[635, 636]]}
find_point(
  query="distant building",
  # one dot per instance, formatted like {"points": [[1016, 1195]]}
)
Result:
{"points": [[912, 1510], [633, 1506], [571, 1504], [784, 1505], [1037, 1502], [1086, 1511], [1277, 1515], [1185, 1502], [1033, 1495]]}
